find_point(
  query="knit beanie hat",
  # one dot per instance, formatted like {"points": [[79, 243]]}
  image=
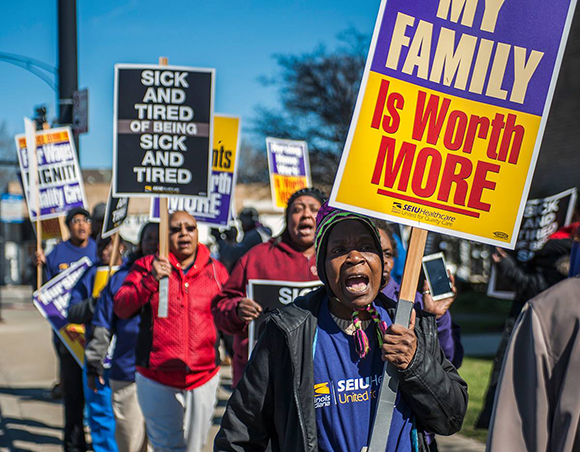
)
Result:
{"points": [[325, 220]]}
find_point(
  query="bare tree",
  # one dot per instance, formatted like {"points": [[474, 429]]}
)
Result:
{"points": [[318, 91]]}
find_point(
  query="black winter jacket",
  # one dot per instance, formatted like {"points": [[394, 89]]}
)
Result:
{"points": [[274, 400]]}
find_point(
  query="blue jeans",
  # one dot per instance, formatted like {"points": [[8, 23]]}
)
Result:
{"points": [[100, 413]]}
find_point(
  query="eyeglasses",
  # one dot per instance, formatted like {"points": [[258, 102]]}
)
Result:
{"points": [[177, 229], [81, 220]]}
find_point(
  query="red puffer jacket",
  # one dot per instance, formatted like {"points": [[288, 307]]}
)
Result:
{"points": [[179, 350], [272, 260]]}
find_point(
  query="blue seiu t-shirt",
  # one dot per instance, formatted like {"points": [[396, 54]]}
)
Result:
{"points": [[346, 388], [126, 330], [65, 254]]}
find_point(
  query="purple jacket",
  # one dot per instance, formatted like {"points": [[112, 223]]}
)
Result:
{"points": [[448, 333]]}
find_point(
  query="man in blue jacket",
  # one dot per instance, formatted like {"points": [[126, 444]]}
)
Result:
{"points": [[62, 256]]}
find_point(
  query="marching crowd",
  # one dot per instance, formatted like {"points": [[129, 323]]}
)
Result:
{"points": [[150, 379]]}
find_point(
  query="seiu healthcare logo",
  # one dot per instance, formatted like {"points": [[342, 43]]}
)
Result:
{"points": [[423, 214]]}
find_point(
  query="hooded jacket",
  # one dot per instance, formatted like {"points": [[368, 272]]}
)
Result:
{"points": [[274, 400], [178, 350], [272, 260]]}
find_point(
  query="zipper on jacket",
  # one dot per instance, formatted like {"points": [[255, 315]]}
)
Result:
{"points": [[187, 308]]}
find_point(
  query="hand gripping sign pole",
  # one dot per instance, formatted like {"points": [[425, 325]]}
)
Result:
{"points": [[389, 386], [163, 242]]}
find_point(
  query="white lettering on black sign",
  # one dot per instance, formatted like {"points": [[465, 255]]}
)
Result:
{"points": [[542, 217], [164, 124], [115, 214], [277, 294]]}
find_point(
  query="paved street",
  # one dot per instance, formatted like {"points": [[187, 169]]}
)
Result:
{"points": [[30, 420]]}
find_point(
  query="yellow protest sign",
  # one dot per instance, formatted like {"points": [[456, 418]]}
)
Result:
{"points": [[450, 115], [216, 208], [289, 169]]}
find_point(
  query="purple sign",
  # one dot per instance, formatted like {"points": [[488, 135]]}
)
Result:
{"points": [[60, 182], [214, 209], [52, 302], [498, 52], [289, 169]]}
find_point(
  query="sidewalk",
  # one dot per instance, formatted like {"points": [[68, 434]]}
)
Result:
{"points": [[31, 421]]}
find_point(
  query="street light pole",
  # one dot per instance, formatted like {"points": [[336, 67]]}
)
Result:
{"points": [[67, 62]]}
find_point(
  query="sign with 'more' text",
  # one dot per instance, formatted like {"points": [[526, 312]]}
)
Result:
{"points": [[289, 169], [215, 208], [450, 115], [60, 182], [163, 128]]}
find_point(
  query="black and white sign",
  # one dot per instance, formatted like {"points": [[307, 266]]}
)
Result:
{"points": [[115, 214], [273, 295], [163, 130], [542, 217]]}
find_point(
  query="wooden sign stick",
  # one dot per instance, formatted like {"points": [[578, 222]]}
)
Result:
{"points": [[163, 242], [389, 386], [114, 254], [45, 126], [38, 248]]}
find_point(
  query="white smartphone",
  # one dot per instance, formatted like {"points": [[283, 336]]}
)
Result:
{"points": [[437, 277]]}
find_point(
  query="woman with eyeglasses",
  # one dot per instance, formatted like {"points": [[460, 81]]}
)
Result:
{"points": [[177, 365]]}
